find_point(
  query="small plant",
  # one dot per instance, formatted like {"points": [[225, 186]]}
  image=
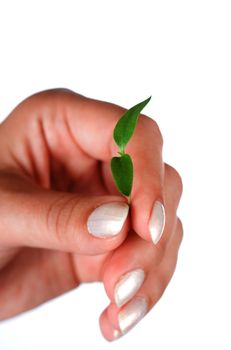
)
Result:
{"points": [[122, 166]]}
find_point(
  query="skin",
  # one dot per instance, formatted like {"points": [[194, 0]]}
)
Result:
{"points": [[55, 152]]}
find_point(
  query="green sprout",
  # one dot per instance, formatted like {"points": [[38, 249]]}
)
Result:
{"points": [[122, 166]]}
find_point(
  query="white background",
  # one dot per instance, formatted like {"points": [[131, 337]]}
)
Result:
{"points": [[123, 51]]}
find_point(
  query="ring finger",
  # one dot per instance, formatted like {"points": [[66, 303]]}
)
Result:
{"points": [[115, 321]]}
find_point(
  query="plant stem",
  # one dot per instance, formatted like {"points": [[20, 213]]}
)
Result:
{"points": [[121, 152], [129, 199]]}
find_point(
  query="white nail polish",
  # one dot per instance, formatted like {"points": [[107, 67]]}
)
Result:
{"points": [[132, 313], [107, 220], [128, 285], [116, 334], [157, 222]]}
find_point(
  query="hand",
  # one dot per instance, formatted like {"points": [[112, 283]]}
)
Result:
{"points": [[55, 152]]}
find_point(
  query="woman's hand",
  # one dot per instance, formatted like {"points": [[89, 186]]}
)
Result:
{"points": [[55, 152]]}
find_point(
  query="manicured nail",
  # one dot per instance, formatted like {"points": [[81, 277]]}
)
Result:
{"points": [[128, 285], [157, 222], [132, 313], [108, 219], [116, 334]]}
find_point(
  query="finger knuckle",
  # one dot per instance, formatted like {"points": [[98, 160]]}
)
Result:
{"points": [[53, 98], [52, 93], [180, 229], [175, 176], [160, 251], [158, 289], [60, 221], [152, 126]]}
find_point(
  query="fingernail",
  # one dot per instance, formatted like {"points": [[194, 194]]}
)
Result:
{"points": [[132, 313], [157, 222], [107, 220], [116, 334], [128, 285]]}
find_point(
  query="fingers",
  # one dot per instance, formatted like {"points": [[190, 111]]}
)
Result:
{"points": [[147, 198], [145, 148], [135, 264], [64, 119], [58, 220], [116, 321], [136, 253]]}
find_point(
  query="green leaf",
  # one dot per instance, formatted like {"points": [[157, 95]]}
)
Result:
{"points": [[125, 127], [122, 171]]}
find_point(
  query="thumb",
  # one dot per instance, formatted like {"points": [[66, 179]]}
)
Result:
{"points": [[31, 216]]}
